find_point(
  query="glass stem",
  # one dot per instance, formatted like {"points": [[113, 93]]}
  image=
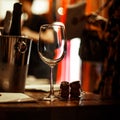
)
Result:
{"points": [[51, 83]]}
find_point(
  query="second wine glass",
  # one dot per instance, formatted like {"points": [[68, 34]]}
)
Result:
{"points": [[51, 49]]}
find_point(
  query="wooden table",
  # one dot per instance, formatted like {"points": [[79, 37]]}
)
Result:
{"points": [[89, 107]]}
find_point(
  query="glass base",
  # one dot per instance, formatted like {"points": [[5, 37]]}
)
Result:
{"points": [[50, 98]]}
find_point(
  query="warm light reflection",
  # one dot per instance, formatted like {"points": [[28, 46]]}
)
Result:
{"points": [[40, 6], [60, 11], [70, 67], [75, 61]]}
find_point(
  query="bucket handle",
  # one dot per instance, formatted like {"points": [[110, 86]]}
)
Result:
{"points": [[21, 46]]}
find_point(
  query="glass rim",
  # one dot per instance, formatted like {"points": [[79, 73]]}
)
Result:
{"points": [[59, 24]]}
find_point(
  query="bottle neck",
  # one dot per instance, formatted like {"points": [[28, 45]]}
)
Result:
{"points": [[16, 20]]}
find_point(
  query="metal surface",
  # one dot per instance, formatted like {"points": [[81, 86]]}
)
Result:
{"points": [[14, 61]]}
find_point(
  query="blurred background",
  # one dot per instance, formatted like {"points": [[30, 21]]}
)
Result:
{"points": [[63, 10], [39, 6], [42, 6]]}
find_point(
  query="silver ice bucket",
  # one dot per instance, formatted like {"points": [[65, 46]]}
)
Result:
{"points": [[14, 62]]}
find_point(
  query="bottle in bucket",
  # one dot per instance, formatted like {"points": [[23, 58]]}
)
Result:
{"points": [[14, 55]]}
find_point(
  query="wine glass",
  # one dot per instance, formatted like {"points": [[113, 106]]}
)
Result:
{"points": [[51, 49]]}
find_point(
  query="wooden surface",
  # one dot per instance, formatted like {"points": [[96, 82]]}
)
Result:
{"points": [[89, 107]]}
